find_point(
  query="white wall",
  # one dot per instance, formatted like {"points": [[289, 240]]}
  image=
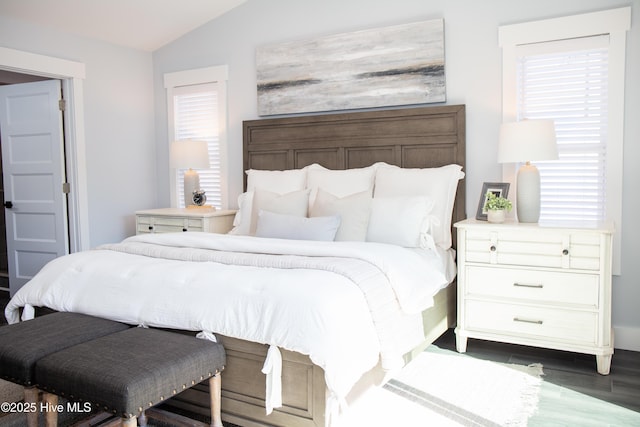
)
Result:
{"points": [[473, 75], [119, 132]]}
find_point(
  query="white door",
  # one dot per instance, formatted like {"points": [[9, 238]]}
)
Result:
{"points": [[31, 135]]}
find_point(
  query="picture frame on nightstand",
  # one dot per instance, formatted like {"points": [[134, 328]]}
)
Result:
{"points": [[500, 189]]}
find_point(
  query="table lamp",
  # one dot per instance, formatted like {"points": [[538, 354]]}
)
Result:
{"points": [[527, 141], [190, 155]]}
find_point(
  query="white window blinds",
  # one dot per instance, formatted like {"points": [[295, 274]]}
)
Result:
{"points": [[196, 117], [567, 81]]}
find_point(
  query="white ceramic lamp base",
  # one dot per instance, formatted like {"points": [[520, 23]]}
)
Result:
{"points": [[191, 183], [528, 193]]}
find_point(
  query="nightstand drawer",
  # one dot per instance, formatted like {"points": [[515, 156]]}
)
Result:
{"points": [[169, 221], [535, 322], [573, 289], [161, 224], [143, 228], [535, 248]]}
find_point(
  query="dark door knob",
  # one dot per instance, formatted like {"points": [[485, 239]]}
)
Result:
{"points": [[8, 204]]}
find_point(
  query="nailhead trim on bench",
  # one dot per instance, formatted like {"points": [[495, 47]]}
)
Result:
{"points": [[140, 409]]}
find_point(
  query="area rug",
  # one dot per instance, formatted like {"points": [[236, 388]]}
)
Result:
{"points": [[444, 388]]}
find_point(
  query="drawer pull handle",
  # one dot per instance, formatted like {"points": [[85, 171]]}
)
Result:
{"points": [[536, 322], [492, 248], [529, 285], [565, 252], [151, 227], [184, 229]]}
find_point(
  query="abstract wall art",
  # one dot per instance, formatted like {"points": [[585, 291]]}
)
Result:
{"points": [[398, 65]]}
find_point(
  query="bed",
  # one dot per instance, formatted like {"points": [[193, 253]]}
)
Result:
{"points": [[342, 152]]}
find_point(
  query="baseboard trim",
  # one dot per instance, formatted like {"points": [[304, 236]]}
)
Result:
{"points": [[626, 338]]}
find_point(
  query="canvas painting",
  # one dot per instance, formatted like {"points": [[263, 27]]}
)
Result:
{"points": [[398, 65]]}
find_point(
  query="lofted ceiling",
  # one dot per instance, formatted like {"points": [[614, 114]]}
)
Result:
{"points": [[139, 24]]}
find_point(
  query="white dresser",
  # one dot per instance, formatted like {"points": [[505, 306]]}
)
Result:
{"points": [[534, 284], [171, 220]]}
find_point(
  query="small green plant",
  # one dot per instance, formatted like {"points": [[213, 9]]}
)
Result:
{"points": [[496, 203]]}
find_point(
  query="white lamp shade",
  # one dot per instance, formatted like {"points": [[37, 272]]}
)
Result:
{"points": [[189, 154], [527, 140]]}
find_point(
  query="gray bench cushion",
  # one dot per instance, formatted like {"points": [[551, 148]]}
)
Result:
{"points": [[22, 344], [130, 371]]}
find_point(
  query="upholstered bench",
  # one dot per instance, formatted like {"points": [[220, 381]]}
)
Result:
{"points": [[129, 372], [23, 344]]}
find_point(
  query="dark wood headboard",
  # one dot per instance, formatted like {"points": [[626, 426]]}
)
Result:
{"points": [[420, 137]]}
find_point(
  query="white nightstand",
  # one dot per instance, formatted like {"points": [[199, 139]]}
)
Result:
{"points": [[534, 284], [171, 220]]}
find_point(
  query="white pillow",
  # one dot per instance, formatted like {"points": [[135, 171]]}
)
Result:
{"points": [[242, 220], [295, 203], [340, 183], [354, 211], [279, 182], [281, 226], [402, 221], [439, 184]]}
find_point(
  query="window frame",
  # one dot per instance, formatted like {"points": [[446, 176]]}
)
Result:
{"points": [[200, 76], [615, 23]]}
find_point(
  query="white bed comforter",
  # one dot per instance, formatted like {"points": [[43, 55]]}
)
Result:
{"points": [[345, 304]]}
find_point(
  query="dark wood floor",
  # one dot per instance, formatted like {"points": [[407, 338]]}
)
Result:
{"points": [[572, 394]]}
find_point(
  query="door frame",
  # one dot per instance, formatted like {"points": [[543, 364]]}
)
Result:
{"points": [[72, 75]]}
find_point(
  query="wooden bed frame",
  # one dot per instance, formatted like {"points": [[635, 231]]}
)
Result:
{"points": [[410, 138]]}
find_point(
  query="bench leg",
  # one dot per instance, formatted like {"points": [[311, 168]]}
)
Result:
{"points": [[50, 401], [215, 394], [31, 399]]}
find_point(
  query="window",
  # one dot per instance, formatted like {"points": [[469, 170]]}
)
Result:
{"points": [[567, 81], [196, 101], [571, 70], [195, 116]]}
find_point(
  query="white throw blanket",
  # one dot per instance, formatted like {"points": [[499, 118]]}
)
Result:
{"points": [[345, 304]]}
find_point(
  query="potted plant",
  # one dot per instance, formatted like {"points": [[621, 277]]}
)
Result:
{"points": [[496, 207]]}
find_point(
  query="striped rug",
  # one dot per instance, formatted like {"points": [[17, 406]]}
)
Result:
{"points": [[444, 388]]}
